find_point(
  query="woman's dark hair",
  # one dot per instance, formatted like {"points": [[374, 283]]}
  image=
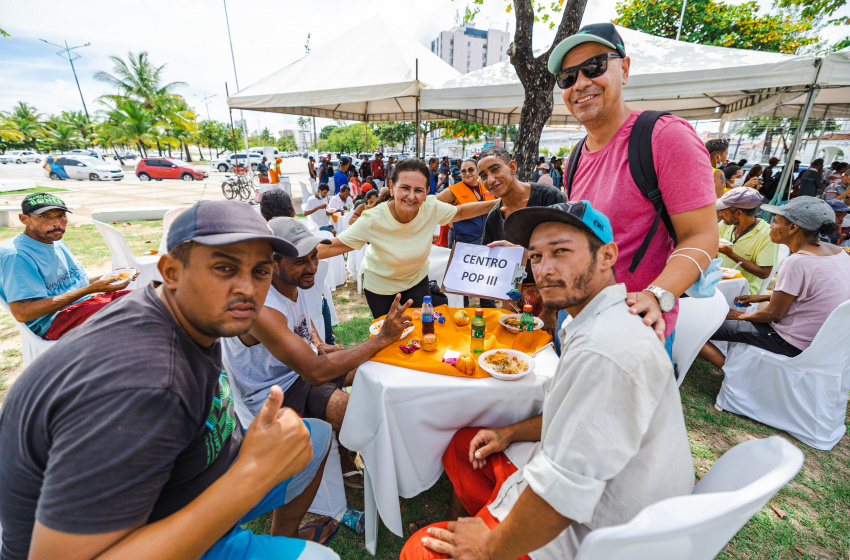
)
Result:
{"points": [[730, 170], [411, 164], [742, 163], [276, 203], [716, 145], [369, 194], [755, 171], [828, 230]]}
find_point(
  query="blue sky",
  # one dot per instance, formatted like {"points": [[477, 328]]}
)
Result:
{"points": [[190, 36]]}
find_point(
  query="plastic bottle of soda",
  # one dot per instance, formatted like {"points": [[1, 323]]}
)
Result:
{"points": [[427, 316], [476, 343], [526, 321]]}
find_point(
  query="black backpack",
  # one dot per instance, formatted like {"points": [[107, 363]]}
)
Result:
{"points": [[643, 173]]}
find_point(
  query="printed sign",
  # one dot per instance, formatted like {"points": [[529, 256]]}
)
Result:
{"points": [[478, 270]]}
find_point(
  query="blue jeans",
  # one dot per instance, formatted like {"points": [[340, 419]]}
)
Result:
{"points": [[243, 544]]}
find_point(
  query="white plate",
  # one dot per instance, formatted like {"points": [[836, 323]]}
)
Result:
{"points": [[538, 323], [118, 271], [505, 376], [375, 329], [725, 243], [729, 272]]}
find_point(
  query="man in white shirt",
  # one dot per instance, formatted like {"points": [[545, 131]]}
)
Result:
{"points": [[317, 208], [611, 439], [341, 201]]}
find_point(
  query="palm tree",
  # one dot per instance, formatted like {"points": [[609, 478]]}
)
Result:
{"points": [[138, 79], [80, 122], [27, 121], [130, 122], [9, 130], [62, 135]]}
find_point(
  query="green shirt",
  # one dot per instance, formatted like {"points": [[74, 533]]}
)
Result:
{"points": [[755, 246]]}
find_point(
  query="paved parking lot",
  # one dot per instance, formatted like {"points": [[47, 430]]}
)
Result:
{"points": [[132, 193]]}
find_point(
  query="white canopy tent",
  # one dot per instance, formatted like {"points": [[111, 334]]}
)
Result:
{"points": [[384, 72]]}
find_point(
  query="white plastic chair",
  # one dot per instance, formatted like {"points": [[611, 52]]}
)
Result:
{"points": [[439, 262], [699, 318], [32, 345], [782, 253], [337, 274], [330, 498], [122, 256], [698, 526], [805, 396], [167, 220], [314, 186]]}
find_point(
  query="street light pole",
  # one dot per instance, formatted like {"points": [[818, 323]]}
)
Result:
{"points": [[67, 53], [681, 19], [241, 113], [205, 98]]}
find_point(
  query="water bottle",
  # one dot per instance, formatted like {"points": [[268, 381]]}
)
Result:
{"points": [[526, 321], [476, 343], [427, 316]]}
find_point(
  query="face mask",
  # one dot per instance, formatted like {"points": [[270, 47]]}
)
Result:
{"points": [[718, 165], [704, 287], [738, 182]]}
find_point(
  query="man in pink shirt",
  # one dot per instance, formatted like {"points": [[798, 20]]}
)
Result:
{"points": [[591, 68]]}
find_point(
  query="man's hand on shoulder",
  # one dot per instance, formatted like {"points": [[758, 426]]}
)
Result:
{"points": [[395, 322], [645, 305]]}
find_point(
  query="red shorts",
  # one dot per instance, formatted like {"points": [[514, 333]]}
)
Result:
{"points": [[476, 488], [75, 315]]}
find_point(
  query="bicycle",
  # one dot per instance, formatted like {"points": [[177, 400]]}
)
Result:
{"points": [[238, 185]]}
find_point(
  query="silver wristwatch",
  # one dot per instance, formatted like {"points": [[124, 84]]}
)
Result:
{"points": [[665, 299]]}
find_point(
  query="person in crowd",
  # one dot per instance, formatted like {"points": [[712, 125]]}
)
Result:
{"points": [[544, 178], [274, 172], [162, 468], [369, 200], [468, 190], [263, 170], [368, 184], [400, 233], [741, 163], [556, 172], [276, 203], [734, 176], [330, 168], [378, 168], [342, 201], [769, 179], [354, 183], [317, 208], [45, 286], [810, 284], [283, 348], [544, 483], [838, 186], [311, 167], [324, 170], [718, 150], [366, 167], [603, 177], [755, 172], [745, 239], [536, 175], [810, 181], [841, 234], [341, 175], [432, 169], [445, 173], [497, 172], [835, 168], [391, 161]]}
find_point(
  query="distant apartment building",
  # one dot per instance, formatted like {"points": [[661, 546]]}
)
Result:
{"points": [[468, 49]]}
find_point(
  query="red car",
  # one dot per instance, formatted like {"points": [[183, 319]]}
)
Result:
{"points": [[168, 168]]}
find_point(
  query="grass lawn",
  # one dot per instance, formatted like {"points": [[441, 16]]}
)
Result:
{"points": [[806, 519], [32, 190]]}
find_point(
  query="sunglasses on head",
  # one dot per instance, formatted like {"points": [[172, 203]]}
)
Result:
{"points": [[591, 68]]}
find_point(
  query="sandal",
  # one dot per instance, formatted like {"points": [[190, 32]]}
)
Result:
{"points": [[353, 479], [319, 527], [418, 525]]}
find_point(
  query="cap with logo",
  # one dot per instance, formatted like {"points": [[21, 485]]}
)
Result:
{"points": [[521, 223], [224, 222], [602, 33], [39, 203], [808, 212], [296, 233], [739, 197]]}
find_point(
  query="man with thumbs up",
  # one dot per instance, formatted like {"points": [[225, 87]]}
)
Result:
{"points": [[121, 440]]}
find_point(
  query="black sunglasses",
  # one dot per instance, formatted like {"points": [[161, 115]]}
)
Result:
{"points": [[591, 68]]}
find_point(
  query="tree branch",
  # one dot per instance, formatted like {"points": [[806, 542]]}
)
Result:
{"points": [[520, 50]]}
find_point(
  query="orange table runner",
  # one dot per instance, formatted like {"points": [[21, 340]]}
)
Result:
{"points": [[451, 336]]}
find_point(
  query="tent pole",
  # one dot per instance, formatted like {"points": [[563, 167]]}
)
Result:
{"points": [[784, 179], [315, 138], [418, 115], [822, 129], [681, 19]]}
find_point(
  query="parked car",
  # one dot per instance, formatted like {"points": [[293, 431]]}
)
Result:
{"points": [[20, 156], [253, 157], [168, 168], [81, 168], [125, 155], [87, 153], [220, 162]]}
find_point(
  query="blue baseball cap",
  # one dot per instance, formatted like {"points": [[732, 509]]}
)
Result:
{"points": [[224, 222], [602, 33], [838, 206], [520, 224]]}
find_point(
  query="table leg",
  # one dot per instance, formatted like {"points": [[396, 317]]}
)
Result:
{"points": [[370, 508]]}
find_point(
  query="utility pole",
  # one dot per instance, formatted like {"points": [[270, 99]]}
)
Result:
{"points": [[315, 138], [248, 167], [681, 19], [68, 54], [205, 98]]}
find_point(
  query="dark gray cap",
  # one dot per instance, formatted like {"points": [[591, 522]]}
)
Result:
{"points": [[808, 212], [224, 222], [295, 232]]}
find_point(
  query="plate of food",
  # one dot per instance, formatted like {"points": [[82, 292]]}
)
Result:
{"points": [[729, 272], [375, 328], [511, 322], [120, 275], [725, 242], [507, 365]]}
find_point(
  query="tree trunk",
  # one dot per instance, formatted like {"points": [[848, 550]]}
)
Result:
{"points": [[768, 140], [536, 110], [188, 155]]}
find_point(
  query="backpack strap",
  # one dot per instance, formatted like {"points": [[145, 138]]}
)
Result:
{"points": [[572, 165], [642, 168]]}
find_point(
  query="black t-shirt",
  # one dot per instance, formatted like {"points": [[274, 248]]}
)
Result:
{"points": [[494, 227], [124, 420], [366, 169]]}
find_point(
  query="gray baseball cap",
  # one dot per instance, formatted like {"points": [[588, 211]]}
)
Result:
{"points": [[808, 212], [224, 222], [296, 233], [739, 197]]}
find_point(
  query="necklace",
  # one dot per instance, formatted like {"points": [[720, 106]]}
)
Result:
{"points": [[734, 238]]}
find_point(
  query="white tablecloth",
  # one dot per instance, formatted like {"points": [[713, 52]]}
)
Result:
{"points": [[401, 421], [733, 288]]}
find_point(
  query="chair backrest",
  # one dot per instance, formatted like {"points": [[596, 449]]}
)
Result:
{"points": [[698, 526], [829, 349], [167, 220], [314, 297], [121, 254], [699, 318], [32, 345], [439, 262], [782, 253]]}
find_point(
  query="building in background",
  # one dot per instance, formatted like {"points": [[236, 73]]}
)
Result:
{"points": [[468, 49], [304, 138]]}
